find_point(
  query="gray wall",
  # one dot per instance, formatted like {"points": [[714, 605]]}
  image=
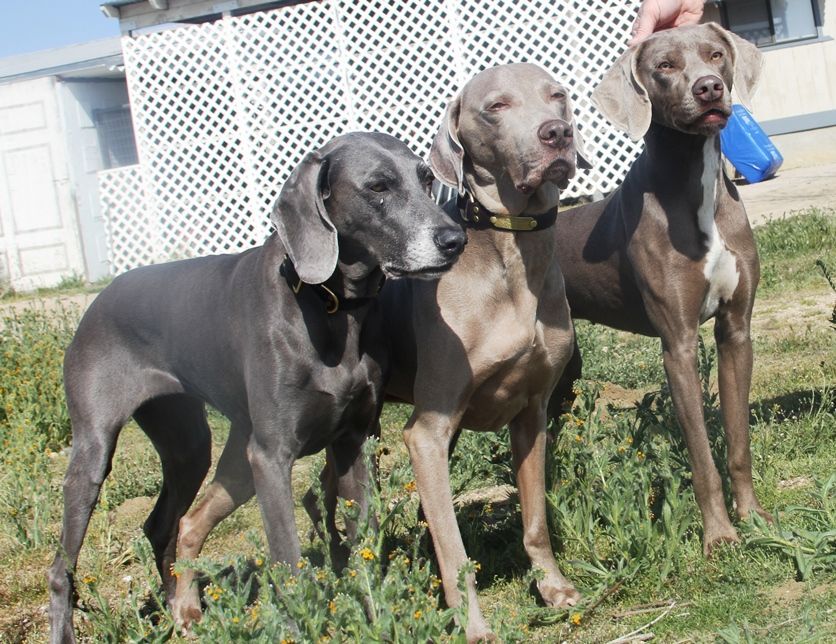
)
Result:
{"points": [[78, 100]]}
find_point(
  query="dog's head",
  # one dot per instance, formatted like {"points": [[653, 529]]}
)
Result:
{"points": [[511, 128], [364, 198], [681, 78]]}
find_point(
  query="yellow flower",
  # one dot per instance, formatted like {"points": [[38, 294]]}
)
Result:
{"points": [[640, 455], [435, 582], [88, 579], [579, 439], [367, 554], [575, 619], [477, 566], [320, 575], [301, 564], [259, 562], [235, 620], [410, 487], [417, 614], [349, 503], [352, 573], [332, 606]]}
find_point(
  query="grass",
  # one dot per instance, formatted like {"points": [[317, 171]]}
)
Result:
{"points": [[625, 525], [69, 285]]}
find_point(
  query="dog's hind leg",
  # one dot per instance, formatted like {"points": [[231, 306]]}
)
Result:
{"points": [[231, 487], [99, 400], [563, 397], [89, 465], [177, 427]]}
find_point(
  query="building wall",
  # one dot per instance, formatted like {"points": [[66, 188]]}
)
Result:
{"points": [[798, 82], [79, 100], [39, 237]]}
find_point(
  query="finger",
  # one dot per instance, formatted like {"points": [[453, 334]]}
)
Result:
{"points": [[643, 26]]}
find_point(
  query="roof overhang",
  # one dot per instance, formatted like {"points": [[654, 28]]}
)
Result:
{"points": [[97, 59]]}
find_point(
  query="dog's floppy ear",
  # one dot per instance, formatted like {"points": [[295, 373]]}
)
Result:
{"points": [[622, 97], [302, 222], [747, 63], [447, 153]]}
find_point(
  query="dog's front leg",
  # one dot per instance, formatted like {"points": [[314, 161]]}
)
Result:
{"points": [[528, 444], [427, 436], [349, 478], [271, 460], [679, 353], [734, 375]]}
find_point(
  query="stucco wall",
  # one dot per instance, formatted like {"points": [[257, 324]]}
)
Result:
{"points": [[798, 79]]}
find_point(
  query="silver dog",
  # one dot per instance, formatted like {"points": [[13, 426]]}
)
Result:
{"points": [[283, 339], [483, 346], [672, 247]]}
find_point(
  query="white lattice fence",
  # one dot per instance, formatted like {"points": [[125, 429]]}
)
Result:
{"points": [[223, 111], [131, 228]]}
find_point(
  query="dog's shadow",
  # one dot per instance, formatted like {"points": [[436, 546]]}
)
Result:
{"points": [[795, 404]]}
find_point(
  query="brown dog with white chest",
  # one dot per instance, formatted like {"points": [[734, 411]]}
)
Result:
{"points": [[672, 247]]}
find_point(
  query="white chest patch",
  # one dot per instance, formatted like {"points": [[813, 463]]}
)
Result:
{"points": [[720, 268]]}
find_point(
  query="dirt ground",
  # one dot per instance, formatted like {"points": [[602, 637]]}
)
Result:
{"points": [[790, 191]]}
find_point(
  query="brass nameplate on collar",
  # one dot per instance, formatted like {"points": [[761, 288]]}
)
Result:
{"points": [[514, 223]]}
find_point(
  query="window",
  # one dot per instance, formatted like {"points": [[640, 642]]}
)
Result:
{"points": [[116, 137], [772, 22]]}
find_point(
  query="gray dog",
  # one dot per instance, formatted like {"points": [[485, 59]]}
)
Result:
{"points": [[283, 339], [672, 247]]}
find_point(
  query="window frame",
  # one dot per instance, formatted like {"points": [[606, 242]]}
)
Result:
{"points": [[722, 6]]}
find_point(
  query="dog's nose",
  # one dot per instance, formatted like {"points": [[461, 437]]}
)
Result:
{"points": [[555, 133], [450, 241], [708, 89]]}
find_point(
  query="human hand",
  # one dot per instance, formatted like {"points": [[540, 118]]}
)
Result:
{"points": [[655, 15]]}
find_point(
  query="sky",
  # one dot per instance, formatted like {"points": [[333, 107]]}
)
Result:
{"points": [[30, 25]]}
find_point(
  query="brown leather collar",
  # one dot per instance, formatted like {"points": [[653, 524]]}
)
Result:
{"points": [[333, 301], [475, 215]]}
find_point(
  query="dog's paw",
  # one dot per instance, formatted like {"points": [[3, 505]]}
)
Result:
{"points": [[477, 633], [185, 615], [714, 540], [558, 595], [744, 514]]}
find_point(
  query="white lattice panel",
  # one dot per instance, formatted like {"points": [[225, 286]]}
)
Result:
{"points": [[223, 111], [130, 227]]}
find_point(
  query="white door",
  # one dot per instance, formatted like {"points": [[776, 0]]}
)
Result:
{"points": [[39, 239]]}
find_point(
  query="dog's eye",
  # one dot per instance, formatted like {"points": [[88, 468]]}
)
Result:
{"points": [[497, 107], [664, 66], [378, 187], [559, 96], [717, 55]]}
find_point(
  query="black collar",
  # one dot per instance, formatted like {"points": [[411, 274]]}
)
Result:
{"points": [[333, 301], [475, 215]]}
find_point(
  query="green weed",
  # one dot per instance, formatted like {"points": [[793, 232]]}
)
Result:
{"points": [[789, 248]]}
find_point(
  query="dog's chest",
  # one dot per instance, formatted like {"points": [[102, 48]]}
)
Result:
{"points": [[518, 366], [720, 268]]}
